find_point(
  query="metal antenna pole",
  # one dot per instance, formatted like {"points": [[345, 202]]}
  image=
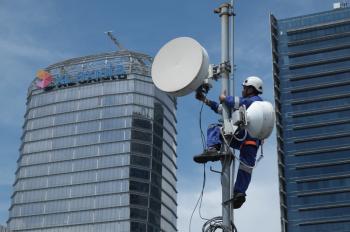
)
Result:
{"points": [[225, 11], [232, 89], [232, 49]]}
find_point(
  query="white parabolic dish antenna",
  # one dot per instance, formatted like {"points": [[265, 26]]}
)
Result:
{"points": [[180, 66], [261, 119]]}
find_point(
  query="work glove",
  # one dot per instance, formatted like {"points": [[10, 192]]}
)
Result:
{"points": [[200, 96]]}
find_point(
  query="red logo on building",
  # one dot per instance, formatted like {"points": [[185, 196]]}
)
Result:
{"points": [[45, 79]]}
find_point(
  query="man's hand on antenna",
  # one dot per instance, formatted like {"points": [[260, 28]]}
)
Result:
{"points": [[200, 96], [222, 97]]}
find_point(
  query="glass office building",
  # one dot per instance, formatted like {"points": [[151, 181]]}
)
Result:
{"points": [[311, 71], [98, 150]]}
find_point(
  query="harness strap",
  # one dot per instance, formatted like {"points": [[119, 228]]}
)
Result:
{"points": [[248, 142], [246, 168]]}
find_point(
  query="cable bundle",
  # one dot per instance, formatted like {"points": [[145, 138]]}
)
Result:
{"points": [[211, 225], [216, 223]]}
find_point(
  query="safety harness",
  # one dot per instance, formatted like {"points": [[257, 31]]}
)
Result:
{"points": [[248, 142]]}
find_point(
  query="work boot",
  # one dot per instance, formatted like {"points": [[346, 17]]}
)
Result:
{"points": [[210, 154], [238, 200]]}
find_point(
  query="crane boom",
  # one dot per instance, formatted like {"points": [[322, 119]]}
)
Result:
{"points": [[115, 41]]}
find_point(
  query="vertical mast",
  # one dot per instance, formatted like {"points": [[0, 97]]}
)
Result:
{"points": [[225, 12]]}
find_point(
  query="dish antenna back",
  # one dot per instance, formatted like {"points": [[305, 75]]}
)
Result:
{"points": [[180, 66]]}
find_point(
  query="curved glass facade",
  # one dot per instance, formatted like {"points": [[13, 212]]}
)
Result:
{"points": [[311, 68], [98, 150]]}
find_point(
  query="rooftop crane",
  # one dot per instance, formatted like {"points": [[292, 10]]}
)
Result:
{"points": [[115, 41]]}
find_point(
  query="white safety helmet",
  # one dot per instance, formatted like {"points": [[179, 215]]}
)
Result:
{"points": [[254, 81]]}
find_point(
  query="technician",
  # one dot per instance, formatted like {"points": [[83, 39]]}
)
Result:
{"points": [[248, 146]]}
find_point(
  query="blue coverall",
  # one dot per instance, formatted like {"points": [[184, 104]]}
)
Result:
{"points": [[247, 152]]}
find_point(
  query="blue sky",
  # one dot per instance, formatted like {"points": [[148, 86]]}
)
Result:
{"points": [[34, 34]]}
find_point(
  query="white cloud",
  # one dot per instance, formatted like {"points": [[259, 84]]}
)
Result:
{"points": [[186, 203], [22, 52], [28, 49], [261, 207], [20, 60]]}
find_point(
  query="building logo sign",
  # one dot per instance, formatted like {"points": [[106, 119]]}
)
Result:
{"points": [[44, 79], [48, 82]]}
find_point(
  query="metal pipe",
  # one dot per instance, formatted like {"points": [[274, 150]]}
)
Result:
{"points": [[227, 214], [232, 49], [232, 93]]}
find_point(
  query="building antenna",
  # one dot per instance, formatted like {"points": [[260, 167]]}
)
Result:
{"points": [[114, 40]]}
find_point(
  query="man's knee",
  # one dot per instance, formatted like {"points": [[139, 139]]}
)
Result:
{"points": [[214, 125], [246, 168], [248, 155], [213, 135]]}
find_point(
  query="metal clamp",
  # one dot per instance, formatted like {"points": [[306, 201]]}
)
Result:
{"points": [[224, 9], [225, 67], [215, 71]]}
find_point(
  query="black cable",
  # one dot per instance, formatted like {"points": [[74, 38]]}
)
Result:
{"points": [[199, 199], [204, 146], [200, 127], [211, 225], [216, 223], [202, 195]]}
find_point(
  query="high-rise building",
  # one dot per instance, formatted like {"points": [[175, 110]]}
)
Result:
{"points": [[98, 149], [311, 71]]}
